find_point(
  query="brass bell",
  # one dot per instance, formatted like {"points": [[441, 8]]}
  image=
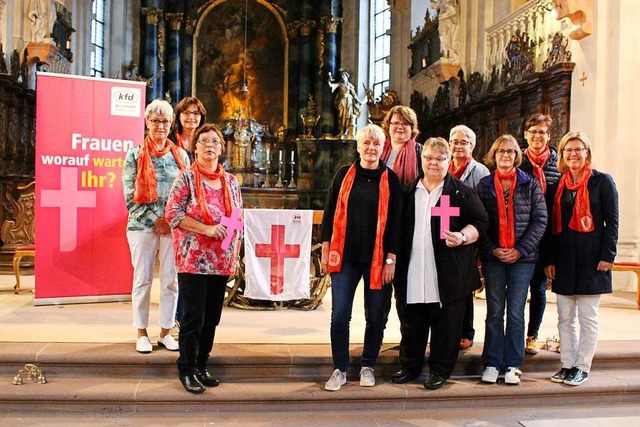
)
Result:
{"points": [[42, 379], [29, 376], [17, 380]]}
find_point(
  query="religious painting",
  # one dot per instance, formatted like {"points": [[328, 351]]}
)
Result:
{"points": [[239, 64]]}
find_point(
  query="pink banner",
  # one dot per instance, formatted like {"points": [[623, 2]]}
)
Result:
{"points": [[84, 127]]}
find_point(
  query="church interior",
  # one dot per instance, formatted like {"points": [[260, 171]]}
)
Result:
{"points": [[266, 72]]}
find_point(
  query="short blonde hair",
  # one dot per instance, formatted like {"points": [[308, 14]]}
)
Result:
{"points": [[370, 131], [159, 107], [438, 144], [408, 116], [575, 134], [490, 157]]}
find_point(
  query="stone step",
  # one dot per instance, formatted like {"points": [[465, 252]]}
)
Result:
{"points": [[255, 361]]}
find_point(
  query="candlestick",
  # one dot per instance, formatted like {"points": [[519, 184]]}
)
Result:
{"points": [[280, 155]]}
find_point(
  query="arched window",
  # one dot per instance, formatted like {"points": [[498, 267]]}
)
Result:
{"points": [[380, 21], [97, 38]]}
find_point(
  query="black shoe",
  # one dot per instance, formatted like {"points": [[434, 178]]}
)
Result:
{"points": [[205, 378], [434, 382], [576, 377], [191, 384], [403, 376], [561, 375]]}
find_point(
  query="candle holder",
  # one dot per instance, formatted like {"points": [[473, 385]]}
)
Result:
{"points": [[292, 182], [266, 183], [279, 184]]}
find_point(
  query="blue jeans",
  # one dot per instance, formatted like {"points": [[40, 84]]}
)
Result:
{"points": [[506, 285], [377, 303]]}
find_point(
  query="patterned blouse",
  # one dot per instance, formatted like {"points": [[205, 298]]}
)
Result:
{"points": [[196, 253], [142, 216]]}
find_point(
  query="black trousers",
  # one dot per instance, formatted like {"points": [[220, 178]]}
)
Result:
{"points": [[445, 324], [202, 300], [467, 323]]}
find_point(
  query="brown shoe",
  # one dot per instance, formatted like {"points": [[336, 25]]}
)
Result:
{"points": [[466, 343], [531, 346]]}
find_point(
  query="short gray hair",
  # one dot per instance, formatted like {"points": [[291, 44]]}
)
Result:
{"points": [[370, 131], [468, 132], [159, 107]]}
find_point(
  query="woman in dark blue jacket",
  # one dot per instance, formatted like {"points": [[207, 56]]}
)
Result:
{"points": [[579, 250], [517, 220]]}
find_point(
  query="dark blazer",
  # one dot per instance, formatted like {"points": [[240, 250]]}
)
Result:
{"points": [[576, 255], [457, 267], [530, 216]]}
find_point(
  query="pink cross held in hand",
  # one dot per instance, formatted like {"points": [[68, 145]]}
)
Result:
{"points": [[277, 250], [445, 212], [68, 199], [232, 223]]}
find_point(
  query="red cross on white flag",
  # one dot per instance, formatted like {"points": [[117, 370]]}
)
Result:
{"points": [[277, 253]]}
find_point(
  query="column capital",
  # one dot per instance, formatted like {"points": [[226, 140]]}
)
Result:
{"points": [[293, 29], [306, 25], [330, 23], [153, 15], [190, 25], [175, 21]]}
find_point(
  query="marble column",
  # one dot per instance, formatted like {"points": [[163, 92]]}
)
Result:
{"points": [[305, 71], [292, 92], [329, 65], [152, 68], [187, 55], [174, 66]]}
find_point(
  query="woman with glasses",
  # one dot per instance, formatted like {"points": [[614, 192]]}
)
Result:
{"points": [[541, 161], [206, 252], [579, 250], [462, 141], [189, 115], [437, 267], [360, 239], [509, 250], [401, 151], [147, 176]]}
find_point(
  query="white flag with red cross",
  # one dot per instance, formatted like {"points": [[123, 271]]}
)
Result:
{"points": [[277, 246]]}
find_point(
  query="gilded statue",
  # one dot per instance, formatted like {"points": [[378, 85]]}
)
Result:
{"points": [[347, 104]]}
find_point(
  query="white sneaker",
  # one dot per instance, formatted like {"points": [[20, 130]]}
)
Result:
{"points": [[490, 375], [367, 377], [143, 345], [168, 342], [512, 376], [337, 380]]}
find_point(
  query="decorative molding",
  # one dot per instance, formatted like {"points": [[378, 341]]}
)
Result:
{"points": [[174, 20], [306, 25], [579, 12], [152, 15], [190, 25], [330, 23], [293, 29], [558, 51]]}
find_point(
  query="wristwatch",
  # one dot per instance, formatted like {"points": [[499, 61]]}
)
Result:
{"points": [[389, 261], [464, 237]]}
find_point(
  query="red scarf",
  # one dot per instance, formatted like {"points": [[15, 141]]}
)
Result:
{"points": [[405, 165], [146, 185], [198, 171], [459, 171], [336, 247], [181, 142], [506, 220], [538, 161], [581, 218]]}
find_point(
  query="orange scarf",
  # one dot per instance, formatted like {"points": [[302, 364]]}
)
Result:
{"points": [[581, 218], [405, 164], [336, 247], [506, 220], [198, 171], [459, 171], [146, 185], [538, 161], [181, 141]]}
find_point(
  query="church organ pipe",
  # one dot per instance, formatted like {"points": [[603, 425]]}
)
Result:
{"points": [[174, 70]]}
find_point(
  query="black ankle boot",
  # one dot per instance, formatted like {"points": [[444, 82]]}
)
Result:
{"points": [[205, 378], [191, 384]]}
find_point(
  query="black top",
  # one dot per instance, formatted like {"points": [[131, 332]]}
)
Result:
{"points": [[362, 212]]}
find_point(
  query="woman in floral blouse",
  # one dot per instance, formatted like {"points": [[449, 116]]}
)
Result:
{"points": [[201, 196]]}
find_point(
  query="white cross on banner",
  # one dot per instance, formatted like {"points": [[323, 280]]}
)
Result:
{"points": [[277, 246]]}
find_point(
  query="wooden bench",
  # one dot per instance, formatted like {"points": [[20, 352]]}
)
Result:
{"points": [[21, 251], [633, 267]]}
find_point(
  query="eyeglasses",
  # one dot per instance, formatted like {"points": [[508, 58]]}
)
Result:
{"points": [[209, 142], [459, 142], [508, 152], [191, 113], [578, 150], [430, 159], [396, 124], [538, 132], [157, 122]]}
